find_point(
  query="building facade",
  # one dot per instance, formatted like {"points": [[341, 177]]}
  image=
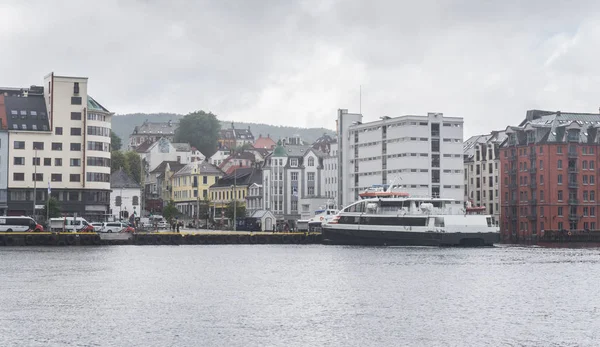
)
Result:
{"points": [[549, 179], [233, 186], [481, 172], [232, 137], [125, 196], [190, 186], [3, 158], [421, 154], [59, 137]]}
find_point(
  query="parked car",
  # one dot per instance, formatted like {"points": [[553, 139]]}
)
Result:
{"points": [[70, 224], [19, 223], [97, 226], [114, 227]]}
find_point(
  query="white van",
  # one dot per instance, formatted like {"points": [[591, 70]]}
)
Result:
{"points": [[19, 223], [71, 224]]}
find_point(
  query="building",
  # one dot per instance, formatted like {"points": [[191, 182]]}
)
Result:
{"points": [[232, 137], [237, 160], [152, 132], [59, 136], [264, 143], [220, 155], [422, 154], [154, 153], [190, 186], [254, 199], [3, 158], [233, 186], [481, 173], [158, 185], [548, 168], [125, 196], [330, 173], [293, 176]]}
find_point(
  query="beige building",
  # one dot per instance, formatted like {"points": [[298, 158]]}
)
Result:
{"points": [[482, 179]]}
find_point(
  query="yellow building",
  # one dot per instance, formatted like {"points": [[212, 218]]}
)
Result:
{"points": [[190, 185], [233, 187]]}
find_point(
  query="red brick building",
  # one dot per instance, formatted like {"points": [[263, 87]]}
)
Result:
{"points": [[548, 175]]}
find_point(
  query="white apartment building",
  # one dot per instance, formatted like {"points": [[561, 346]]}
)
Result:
{"points": [[330, 173], [293, 175], [481, 173], [125, 196], [59, 137], [423, 154], [3, 164]]}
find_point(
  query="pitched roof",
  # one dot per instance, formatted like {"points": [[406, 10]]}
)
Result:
{"points": [[174, 165], [202, 168], [242, 176], [182, 147], [324, 139], [156, 128], [94, 105], [120, 179], [26, 113], [264, 143], [144, 147], [233, 133]]}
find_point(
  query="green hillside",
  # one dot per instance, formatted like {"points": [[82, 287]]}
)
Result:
{"points": [[123, 125]]}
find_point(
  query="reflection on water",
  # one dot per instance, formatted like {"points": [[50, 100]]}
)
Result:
{"points": [[298, 296]]}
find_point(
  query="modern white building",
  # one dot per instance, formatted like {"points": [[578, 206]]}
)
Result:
{"points": [[481, 173], [3, 159], [125, 196], [59, 136], [154, 153], [220, 155], [423, 154]]}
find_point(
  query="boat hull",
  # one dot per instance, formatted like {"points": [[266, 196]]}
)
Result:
{"points": [[338, 236]]}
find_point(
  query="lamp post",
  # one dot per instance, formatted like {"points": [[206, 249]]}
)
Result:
{"points": [[35, 159], [234, 199]]}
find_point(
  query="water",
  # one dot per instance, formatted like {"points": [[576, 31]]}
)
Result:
{"points": [[274, 295]]}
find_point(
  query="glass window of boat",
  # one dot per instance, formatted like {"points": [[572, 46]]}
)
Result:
{"points": [[393, 205], [358, 207], [439, 222]]}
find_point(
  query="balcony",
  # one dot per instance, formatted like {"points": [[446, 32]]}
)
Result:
{"points": [[532, 155], [512, 202], [573, 155], [513, 217], [572, 169], [512, 186], [573, 202], [573, 185], [532, 216], [513, 171], [532, 170], [513, 157], [533, 202], [533, 184], [573, 216]]}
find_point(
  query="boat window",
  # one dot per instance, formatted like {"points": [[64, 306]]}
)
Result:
{"points": [[328, 213], [360, 207], [439, 221], [489, 221]]}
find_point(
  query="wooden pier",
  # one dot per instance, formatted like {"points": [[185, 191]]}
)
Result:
{"points": [[160, 238]]}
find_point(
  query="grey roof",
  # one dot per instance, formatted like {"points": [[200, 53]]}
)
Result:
{"points": [[469, 145], [552, 127], [94, 105], [242, 177], [156, 128], [296, 151], [120, 179], [324, 139], [26, 113], [173, 165], [182, 147], [261, 213], [204, 168]]}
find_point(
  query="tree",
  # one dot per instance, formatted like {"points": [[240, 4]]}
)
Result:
{"points": [[115, 141], [53, 206], [200, 130], [134, 164], [170, 211], [118, 161], [240, 209]]}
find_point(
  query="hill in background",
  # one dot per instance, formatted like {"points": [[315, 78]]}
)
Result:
{"points": [[123, 126]]}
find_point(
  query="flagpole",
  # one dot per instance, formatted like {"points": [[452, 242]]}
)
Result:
{"points": [[48, 204]]}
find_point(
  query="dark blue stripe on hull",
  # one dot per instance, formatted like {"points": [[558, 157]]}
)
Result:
{"points": [[399, 238]]}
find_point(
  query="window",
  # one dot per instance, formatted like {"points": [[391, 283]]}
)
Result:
{"points": [[47, 161], [136, 200], [75, 162], [57, 161], [204, 179], [585, 195], [19, 161], [311, 190], [560, 195], [35, 161], [74, 178], [76, 131], [37, 177], [311, 161], [559, 163], [98, 161], [592, 179], [541, 179], [56, 146], [559, 149], [98, 146], [560, 211], [100, 131], [592, 195], [73, 196], [559, 179], [75, 115], [76, 100], [56, 178], [294, 162], [591, 165], [97, 177], [76, 147], [76, 88], [311, 176], [58, 131], [584, 165], [294, 176], [18, 176]]}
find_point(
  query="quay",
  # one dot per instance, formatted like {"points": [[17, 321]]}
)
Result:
{"points": [[156, 238]]}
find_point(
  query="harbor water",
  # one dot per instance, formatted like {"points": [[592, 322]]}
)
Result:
{"points": [[298, 295]]}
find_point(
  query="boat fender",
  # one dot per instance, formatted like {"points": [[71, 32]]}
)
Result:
{"points": [[321, 217], [70, 240], [253, 239], [569, 233]]}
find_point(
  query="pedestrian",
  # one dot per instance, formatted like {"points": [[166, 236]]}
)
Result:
{"points": [[178, 227]]}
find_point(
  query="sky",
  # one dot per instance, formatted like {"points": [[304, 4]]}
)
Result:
{"points": [[297, 62]]}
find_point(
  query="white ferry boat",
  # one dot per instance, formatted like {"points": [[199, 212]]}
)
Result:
{"points": [[396, 219]]}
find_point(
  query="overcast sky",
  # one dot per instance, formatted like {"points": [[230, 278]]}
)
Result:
{"points": [[297, 62]]}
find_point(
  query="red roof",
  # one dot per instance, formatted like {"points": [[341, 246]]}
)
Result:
{"points": [[264, 142], [3, 120]]}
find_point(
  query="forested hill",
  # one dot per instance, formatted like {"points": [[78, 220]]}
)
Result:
{"points": [[123, 125]]}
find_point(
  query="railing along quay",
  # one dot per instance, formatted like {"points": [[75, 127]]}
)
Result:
{"points": [[579, 236]]}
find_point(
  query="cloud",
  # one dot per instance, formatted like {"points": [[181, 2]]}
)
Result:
{"points": [[296, 62]]}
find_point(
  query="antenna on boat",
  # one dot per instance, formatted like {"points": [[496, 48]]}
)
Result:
{"points": [[393, 182]]}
